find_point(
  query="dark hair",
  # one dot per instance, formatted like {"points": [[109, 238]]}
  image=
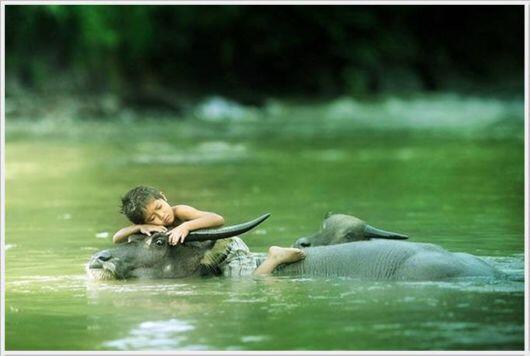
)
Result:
{"points": [[134, 202]]}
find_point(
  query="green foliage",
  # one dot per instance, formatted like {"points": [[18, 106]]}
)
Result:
{"points": [[264, 49]]}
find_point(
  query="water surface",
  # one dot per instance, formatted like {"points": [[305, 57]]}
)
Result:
{"points": [[458, 183]]}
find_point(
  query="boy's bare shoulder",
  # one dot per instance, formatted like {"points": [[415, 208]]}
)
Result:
{"points": [[182, 207], [185, 212]]}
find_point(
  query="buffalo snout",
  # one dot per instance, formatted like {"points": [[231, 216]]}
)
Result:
{"points": [[98, 258]]}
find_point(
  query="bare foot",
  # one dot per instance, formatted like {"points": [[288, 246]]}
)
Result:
{"points": [[277, 256], [285, 254]]}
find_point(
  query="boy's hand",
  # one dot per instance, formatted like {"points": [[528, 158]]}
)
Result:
{"points": [[178, 234], [148, 229]]}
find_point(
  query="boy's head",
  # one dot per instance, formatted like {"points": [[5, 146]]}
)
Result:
{"points": [[135, 202]]}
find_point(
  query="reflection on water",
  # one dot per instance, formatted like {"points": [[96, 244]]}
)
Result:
{"points": [[263, 313], [154, 335], [461, 189]]}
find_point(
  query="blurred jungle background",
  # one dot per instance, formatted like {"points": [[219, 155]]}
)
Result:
{"points": [[163, 58], [410, 117]]}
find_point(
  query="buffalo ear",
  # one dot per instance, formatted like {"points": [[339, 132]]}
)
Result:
{"points": [[135, 238], [328, 214]]}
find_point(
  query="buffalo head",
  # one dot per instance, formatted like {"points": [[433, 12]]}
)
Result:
{"points": [[154, 257], [150, 257], [341, 228]]}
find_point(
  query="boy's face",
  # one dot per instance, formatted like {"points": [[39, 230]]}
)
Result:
{"points": [[159, 212]]}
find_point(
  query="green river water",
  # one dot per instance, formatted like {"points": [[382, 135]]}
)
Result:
{"points": [[456, 180]]}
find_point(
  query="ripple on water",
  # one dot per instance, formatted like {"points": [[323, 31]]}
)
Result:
{"points": [[203, 153], [474, 284], [253, 338], [326, 155], [47, 285], [97, 289], [468, 333], [512, 266]]}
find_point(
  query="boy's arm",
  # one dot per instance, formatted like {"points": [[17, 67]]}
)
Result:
{"points": [[123, 234], [193, 219]]}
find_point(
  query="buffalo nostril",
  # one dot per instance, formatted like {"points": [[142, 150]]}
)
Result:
{"points": [[104, 256], [305, 244]]}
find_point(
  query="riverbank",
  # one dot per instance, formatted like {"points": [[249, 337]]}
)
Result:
{"points": [[435, 114]]}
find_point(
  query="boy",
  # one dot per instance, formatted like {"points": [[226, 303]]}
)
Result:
{"points": [[147, 208]]}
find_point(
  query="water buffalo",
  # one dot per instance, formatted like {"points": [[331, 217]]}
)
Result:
{"points": [[341, 228], [153, 257], [374, 254]]}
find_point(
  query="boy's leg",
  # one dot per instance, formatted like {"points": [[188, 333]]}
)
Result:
{"points": [[277, 256]]}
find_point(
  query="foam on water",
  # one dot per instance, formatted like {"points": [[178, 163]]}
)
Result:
{"points": [[10, 246]]}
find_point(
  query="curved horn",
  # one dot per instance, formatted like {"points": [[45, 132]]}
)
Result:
{"points": [[372, 232], [224, 232]]}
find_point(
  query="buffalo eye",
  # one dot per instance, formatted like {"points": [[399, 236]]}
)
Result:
{"points": [[160, 242], [354, 236]]}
